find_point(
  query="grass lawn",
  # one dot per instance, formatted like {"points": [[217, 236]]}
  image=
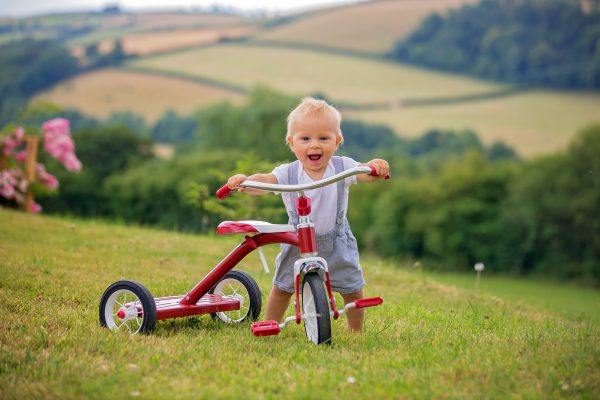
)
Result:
{"points": [[571, 301], [428, 340]]}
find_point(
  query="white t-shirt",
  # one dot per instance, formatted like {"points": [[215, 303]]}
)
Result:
{"points": [[323, 200]]}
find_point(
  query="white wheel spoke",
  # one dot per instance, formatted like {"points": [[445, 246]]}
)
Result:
{"points": [[121, 324], [235, 289]]}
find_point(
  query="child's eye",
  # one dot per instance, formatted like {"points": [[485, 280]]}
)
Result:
{"points": [[324, 138], [304, 138]]}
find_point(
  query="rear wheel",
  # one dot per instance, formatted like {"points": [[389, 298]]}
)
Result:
{"points": [[243, 287], [129, 307], [315, 309]]}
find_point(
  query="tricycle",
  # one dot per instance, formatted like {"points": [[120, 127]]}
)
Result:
{"points": [[233, 296]]}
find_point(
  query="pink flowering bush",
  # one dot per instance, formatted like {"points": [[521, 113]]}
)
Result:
{"points": [[57, 142]]}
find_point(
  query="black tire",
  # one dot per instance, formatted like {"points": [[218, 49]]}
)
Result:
{"points": [[125, 292], [314, 301], [250, 297]]}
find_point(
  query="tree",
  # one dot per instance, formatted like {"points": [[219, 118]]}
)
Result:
{"points": [[555, 207], [104, 151], [536, 42]]}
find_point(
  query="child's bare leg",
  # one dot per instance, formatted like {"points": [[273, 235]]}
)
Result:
{"points": [[355, 316], [277, 304]]}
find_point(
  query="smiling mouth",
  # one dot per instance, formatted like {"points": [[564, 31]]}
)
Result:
{"points": [[314, 157]]}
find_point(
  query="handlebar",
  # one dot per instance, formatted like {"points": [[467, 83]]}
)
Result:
{"points": [[225, 191]]}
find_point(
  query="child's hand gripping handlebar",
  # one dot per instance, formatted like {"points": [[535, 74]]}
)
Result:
{"points": [[225, 191]]}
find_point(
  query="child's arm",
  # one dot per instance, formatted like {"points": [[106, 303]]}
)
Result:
{"points": [[381, 166], [234, 182]]}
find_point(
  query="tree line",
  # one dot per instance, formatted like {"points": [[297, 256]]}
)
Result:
{"points": [[452, 201], [551, 43]]}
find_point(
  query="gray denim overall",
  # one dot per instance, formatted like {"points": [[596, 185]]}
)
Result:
{"points": [[338, 247]]}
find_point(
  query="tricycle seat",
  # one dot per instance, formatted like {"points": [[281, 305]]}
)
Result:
{"points": [[229, 227]]}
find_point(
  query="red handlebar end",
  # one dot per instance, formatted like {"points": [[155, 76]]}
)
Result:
{"points": [[374, 173], [223, 192]]}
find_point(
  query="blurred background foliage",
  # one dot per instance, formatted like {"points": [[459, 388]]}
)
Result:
{"points": [[452, 201]]}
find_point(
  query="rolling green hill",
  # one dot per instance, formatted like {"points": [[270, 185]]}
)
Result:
{"points": [[324, 52], [369, 27], [408, 99], [428, 340], [101, 93], [341, 78]]}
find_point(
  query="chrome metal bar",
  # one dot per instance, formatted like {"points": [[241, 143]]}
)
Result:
{"points": [[270, 187]]}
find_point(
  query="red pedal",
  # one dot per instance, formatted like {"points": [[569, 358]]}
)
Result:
{"points": [[265, 328], [370, 302]]}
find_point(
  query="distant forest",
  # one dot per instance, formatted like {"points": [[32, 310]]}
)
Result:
{"points": [[554, 43]]}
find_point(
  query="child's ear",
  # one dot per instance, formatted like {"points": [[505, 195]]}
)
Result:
{"points": [[289, 141], [338, 140]]}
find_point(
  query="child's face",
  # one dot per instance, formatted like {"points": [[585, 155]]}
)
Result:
{"points": [[314, 140]]}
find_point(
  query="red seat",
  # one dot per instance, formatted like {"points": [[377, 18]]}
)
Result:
{"points": [[229, 227]]}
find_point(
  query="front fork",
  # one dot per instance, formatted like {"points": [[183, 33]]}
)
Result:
{"points": [[303, 266], [313, 265]]}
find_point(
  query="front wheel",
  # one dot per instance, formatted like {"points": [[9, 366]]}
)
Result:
{"points": [[241, 286], [315, 309], [128, 306]]}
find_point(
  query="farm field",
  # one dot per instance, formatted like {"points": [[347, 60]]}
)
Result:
{"points": [[300, 72], [370, 27], [103, 92], [533, 122], [114, 26], [97, 26], [144, 44], [428, 340]]}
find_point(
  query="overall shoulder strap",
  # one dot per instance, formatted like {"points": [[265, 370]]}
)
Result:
{"points": [[293, 180], [338, 165], [293, 173]]}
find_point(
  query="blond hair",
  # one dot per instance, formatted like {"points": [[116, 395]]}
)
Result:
{"points": [[311, 107]]}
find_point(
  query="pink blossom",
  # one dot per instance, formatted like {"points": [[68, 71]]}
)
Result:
{"points": [[21, 156], [56, 126], [46, 178], [72, 163], [13, 140], [8, 192], [12, 184], [7, 185], [20, 134], [10, 144], [36, 208], [23, 185], [59, 144]]}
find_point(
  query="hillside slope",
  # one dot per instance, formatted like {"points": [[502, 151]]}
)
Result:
{"points": [[408, 99], [102, 92], [427, 341], [369, 27]]}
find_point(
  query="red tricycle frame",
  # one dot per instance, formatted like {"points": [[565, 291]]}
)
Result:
{"points": [[126, 301]]}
